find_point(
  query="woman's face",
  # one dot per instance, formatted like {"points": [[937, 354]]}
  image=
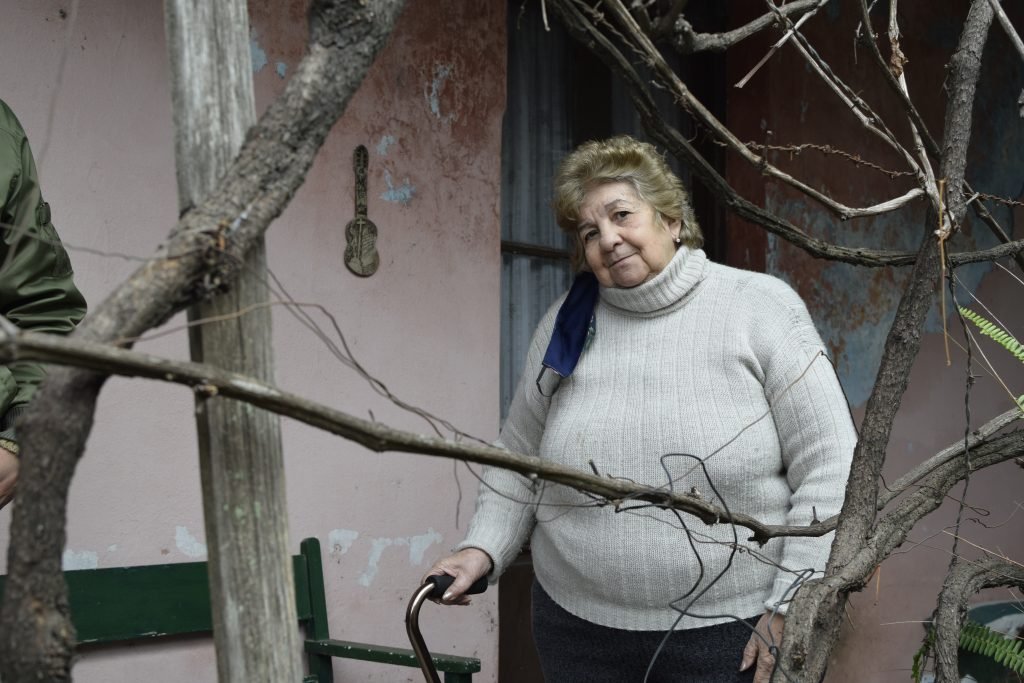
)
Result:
{"points": [[624, 241]]}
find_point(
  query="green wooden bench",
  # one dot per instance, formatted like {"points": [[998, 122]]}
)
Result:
{"points": [[136, 603]]}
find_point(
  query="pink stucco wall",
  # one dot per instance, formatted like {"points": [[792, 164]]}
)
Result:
{"points": [[426, 324]]}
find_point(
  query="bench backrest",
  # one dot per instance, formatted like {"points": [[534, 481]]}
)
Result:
{"points": [[149, 601]]}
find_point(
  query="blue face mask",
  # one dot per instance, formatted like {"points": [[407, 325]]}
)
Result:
{"points": [[574, 325]]}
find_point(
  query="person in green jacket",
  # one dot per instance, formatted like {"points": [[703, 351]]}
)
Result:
{"points": [[37, 290]]}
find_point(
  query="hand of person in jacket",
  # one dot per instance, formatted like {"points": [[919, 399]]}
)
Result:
{"points": [[8, 475], [769, 634], [467, 565]]}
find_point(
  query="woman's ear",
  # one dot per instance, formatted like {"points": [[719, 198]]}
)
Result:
{"points": [[675, 229]]}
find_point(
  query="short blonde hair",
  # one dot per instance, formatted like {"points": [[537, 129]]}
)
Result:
{"points": [[622, 159]]}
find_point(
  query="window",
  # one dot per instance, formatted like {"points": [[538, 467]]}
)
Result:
{"points": [[558, 96]]}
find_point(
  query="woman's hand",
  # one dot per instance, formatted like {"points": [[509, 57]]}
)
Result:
{"points": [[8, 475], [467, 565], [769, 633]]}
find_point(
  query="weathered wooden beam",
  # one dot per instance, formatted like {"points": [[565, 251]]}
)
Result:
{"points": [[240, 455]]}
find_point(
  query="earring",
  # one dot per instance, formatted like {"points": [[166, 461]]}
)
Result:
{"points": [[678, 240]]}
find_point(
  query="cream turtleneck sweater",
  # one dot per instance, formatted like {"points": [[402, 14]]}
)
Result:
{"points": [[706, 360]]}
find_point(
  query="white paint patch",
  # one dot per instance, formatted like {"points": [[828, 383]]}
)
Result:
{"points": [[282, 69], [259, 55], [188, 544], [379, 546], [385, 142], [417, 549], [441, 74], [112, 548], [402, 194], [418, 545], [340, 540], [79, 559]]}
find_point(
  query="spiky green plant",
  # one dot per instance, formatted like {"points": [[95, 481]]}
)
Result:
{"points": [[978, 639], [984, 641], [998, 335]]}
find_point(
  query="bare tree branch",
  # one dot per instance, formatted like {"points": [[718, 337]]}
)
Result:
{"points": [[681, 148], [816, 610], [1015, 249], [200, 256], [1015, 39], [1004, 21], [868, 118], [790, 32], [966, 579], [920, 130], [977, 437], [904, 337], [805, 649], [895, 525], [692, 104], [210, 380], [668, 20], [965, 68], [688, 41]]}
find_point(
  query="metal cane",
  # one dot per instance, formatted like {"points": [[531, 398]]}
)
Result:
{"points": [[433, 587]]}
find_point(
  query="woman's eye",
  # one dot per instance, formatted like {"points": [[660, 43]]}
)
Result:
{"points": [[621, 215], [588, 234]]}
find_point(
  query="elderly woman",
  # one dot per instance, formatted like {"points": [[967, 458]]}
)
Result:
{"points": [[677, 373]]}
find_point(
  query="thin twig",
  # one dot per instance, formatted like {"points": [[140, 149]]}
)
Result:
{"points": [[1004, 21], [782, 41]]}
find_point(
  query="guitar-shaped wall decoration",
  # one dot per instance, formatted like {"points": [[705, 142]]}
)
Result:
{"points": [[361, 255]]}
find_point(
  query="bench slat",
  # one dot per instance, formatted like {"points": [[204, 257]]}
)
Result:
{"points": [[389, 655]]}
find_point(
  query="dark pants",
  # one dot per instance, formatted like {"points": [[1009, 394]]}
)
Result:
{"points": [[573, 650]]}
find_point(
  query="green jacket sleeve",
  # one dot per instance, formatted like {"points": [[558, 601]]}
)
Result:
{"points": [[37, 291]]}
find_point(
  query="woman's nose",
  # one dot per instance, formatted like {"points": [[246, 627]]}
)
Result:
{"points": [[609, 238]]}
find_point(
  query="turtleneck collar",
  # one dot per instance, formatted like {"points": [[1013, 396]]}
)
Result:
{"points": [[666, 288]]}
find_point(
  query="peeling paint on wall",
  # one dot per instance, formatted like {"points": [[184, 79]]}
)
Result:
{"points": [[417, 545], [442, 72], [340, 540], [402, 194], [259, 55], [281, 69], [188, 544], [79, 559], [379, 546], [852, 307], [385, 142]]}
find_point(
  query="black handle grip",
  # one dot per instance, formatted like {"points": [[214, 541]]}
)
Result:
{"points": [[443, 581]]}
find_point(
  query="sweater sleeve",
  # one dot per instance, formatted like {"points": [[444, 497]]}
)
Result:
{"points": [[816, 432], [505, 507]]}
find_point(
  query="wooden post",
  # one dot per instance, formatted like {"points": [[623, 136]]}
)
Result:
{"points": [[251, 585]]}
